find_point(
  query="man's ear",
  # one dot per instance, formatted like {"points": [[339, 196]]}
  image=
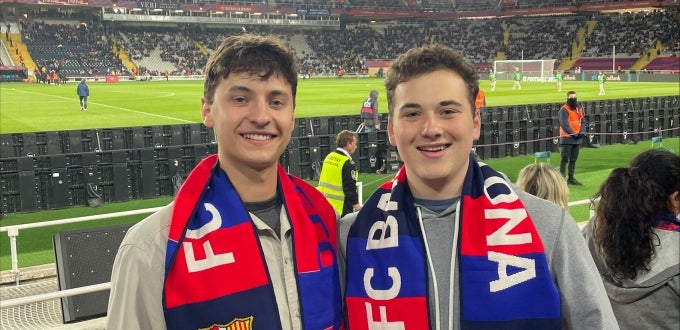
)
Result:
{"points": [[206, 113]]}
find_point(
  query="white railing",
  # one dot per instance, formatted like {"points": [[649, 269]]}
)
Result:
{"points": [[54, 295], [13, 232]]}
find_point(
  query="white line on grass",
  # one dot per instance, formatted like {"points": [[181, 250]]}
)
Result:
{"points": [[111, 106]]}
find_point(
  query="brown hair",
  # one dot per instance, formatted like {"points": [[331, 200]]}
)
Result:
{"points": [[257, 55], [344, 138], [426, 59]]}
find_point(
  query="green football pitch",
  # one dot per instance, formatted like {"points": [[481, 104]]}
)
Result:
{"points": [[40, 108]]}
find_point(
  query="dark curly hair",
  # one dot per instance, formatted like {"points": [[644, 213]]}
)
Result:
{"points": [[631, 200]]}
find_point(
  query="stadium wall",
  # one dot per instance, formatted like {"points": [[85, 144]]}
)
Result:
{"points": [[53, 170]]}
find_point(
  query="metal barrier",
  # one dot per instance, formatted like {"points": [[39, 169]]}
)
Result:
{"points": [[13, 231]]}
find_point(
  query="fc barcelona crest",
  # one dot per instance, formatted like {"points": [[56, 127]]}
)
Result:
{"points": [[245, 323]]}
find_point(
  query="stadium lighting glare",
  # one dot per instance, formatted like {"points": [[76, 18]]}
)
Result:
{"points": [[372, 22], [293, 15], [179, 11], [219, 12], [136, 9], [257, 14], [238, 12], [157, 9]]}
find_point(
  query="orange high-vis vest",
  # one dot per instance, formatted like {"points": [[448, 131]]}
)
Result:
{"points": [[574, 120], [480, 101]]}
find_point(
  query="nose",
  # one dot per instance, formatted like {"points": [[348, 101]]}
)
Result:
{"points": [[431, 127], [259, 112]]}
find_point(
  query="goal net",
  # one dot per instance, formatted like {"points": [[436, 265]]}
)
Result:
{"points": [[531, 70]]}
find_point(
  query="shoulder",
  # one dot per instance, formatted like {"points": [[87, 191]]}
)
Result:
{"points": [[550, 219], [343, 229], [152, 232]]}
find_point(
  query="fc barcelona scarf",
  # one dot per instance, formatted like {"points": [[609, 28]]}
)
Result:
{"points": [[505, 281], [215, 272]]}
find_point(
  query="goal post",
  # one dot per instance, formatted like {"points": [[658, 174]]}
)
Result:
{"points": [[531, 70]]}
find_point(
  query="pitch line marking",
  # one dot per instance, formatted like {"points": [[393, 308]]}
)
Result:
{"points": [[113, 107]]}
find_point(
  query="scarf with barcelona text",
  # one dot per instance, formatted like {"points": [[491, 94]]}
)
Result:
{"points": [[504, 274], [215, 273]]}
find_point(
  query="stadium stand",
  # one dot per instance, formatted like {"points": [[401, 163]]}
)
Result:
{"points": [[72, 50], [86, 49], [668, 63], [604, 63]]}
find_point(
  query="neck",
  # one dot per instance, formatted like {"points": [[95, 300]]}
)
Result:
{"points": [[251, 184], [436, 189]]}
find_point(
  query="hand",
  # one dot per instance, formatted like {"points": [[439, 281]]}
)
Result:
{"points": [[377, 127]]}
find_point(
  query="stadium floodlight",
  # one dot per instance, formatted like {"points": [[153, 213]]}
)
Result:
{"points": [[532, 70]]}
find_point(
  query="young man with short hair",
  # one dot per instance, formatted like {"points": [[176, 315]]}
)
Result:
{"points": [[449, 243]]}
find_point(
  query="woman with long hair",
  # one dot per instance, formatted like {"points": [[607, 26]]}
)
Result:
{"points": [[634, 239]]}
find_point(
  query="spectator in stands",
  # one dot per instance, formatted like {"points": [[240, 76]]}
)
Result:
{"points": [[370, 118], [83, 93], [402, 247], [544, 181], [282, 272], [635, 238], [572, 133], [339, 176]]}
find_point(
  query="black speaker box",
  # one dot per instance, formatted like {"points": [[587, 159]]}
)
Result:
{"points": [[85, 257]]}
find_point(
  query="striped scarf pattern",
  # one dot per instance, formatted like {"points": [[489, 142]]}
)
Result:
{"points": [[505, 282], [215, 271]]}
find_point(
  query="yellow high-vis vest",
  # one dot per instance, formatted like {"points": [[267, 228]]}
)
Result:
{"points": [[330, 179]]}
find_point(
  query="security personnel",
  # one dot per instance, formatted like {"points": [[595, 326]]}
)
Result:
{"points": [[572, 132], [480, 101], [339, 176]]}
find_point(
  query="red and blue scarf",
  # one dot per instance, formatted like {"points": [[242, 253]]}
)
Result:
{"points": [[667, 221], [504, 274], [215, 273]]}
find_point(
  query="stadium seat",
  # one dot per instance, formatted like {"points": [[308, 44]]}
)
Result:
{"points": [[542, 155]]}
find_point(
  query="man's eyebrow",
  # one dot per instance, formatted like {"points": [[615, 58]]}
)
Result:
{"points": [[278, 92], [240, 89], [450, 102], [441, 104]]}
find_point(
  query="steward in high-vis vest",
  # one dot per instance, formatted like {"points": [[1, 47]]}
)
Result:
{"points": [[480, 101], [338, 178], [572, 132]]}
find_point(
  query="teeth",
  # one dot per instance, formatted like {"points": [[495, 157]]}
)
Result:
{"points": [[259, 137], [439, 148]]}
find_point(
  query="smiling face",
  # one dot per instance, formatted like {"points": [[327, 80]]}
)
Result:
{"points": [[253, 120], [433, 127]]}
